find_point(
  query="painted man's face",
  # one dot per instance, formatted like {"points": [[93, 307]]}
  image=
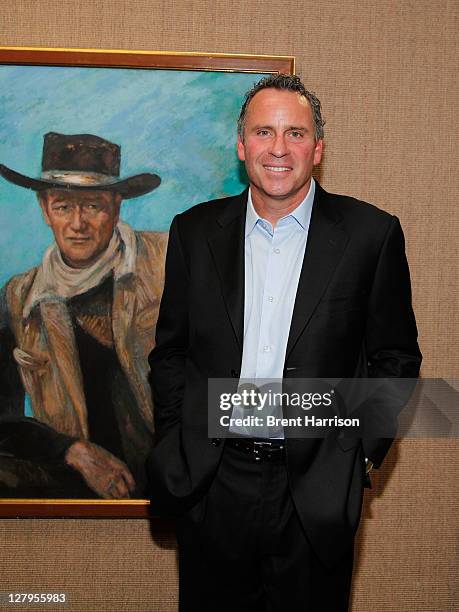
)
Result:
{"points": [[82, 222]]}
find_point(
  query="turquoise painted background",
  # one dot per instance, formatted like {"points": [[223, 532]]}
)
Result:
{"points": [[178, 124]]}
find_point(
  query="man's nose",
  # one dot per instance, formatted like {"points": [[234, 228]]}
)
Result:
{"points": [[279, 146], [78, 220]]}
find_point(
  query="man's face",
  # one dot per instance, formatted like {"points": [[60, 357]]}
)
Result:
{"points": [[82, 222], [279, 147]]}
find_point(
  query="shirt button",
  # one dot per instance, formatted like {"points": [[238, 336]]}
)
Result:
{"points": [[266, 348], [270, 299], [277, 251]]}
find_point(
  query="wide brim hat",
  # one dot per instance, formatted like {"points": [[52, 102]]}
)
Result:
{"points": [[82, 161]]}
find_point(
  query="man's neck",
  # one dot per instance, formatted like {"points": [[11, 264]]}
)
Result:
{"points": [[273, 209]]}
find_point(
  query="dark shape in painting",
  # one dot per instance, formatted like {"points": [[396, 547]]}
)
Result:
{"points": [[75, 333]]}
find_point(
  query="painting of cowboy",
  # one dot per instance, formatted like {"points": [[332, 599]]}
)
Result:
{"points": [[76, 330]]}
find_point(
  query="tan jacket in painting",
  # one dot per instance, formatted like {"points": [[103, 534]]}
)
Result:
{"points": [[46, 350]]}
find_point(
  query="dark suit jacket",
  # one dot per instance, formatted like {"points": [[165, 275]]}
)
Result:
{"points": [[352, 317]]}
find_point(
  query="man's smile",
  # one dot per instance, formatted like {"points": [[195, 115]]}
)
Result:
{"points": [[277, 168], [78, 239]]}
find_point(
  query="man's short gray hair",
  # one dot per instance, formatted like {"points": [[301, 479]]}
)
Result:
{"points": [[287, 82]]}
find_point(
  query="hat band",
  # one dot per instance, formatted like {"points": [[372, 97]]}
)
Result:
{"points": [[72, 177]]}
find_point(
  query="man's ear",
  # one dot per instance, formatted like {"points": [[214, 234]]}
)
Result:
{"points": [[240, 148], [42, 200], [318, 150]]}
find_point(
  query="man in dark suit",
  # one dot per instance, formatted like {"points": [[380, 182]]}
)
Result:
{"points": [[282, 281]]}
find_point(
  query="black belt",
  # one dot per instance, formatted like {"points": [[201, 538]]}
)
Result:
{"points": [[260, 450]]}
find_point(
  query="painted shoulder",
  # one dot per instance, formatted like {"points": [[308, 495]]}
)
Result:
{"points": [[21, 283], [151, 243], [14, 294]]}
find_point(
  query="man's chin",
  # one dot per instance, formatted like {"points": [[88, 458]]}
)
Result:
{"points": [[80, 260], [279, 194]]}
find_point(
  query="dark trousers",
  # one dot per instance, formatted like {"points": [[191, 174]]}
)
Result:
{"points": [[242, 548]]}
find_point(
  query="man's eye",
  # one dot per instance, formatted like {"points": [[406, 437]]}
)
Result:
{"points": [[296, 134], [263, 132], [61, 207]]}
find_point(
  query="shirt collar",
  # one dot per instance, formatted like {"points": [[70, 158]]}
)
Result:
{"points": [[301, 214]]}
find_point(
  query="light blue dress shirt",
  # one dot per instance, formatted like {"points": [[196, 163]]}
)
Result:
{"points": [[273, 261]]}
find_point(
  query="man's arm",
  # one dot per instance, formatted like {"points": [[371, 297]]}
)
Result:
{"points": [[104, 473], [11, 389], [28, 439], [166, 465], [168, 358], [20, 436], [391, 343]]}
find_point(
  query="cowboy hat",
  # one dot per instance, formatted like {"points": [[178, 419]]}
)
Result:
{"points": [[82, 161]]}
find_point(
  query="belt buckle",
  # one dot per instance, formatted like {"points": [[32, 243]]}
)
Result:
{"points": [[262, 444], [258, 449], [263, 450]]}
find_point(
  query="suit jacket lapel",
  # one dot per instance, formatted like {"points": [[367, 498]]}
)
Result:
{"points": [[324, 249], [227, 247]]}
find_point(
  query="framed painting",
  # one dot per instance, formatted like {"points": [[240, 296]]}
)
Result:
{"points": [[99, 150]]}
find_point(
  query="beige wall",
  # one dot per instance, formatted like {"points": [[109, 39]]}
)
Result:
{"points": [[386, 75]]}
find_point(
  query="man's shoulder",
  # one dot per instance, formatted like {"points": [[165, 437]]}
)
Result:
{"points": [[151, 250], [355, 212], [150, 239], [151, 245], [351, 204], [20, 282], [14, 293], [211, 209]]}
